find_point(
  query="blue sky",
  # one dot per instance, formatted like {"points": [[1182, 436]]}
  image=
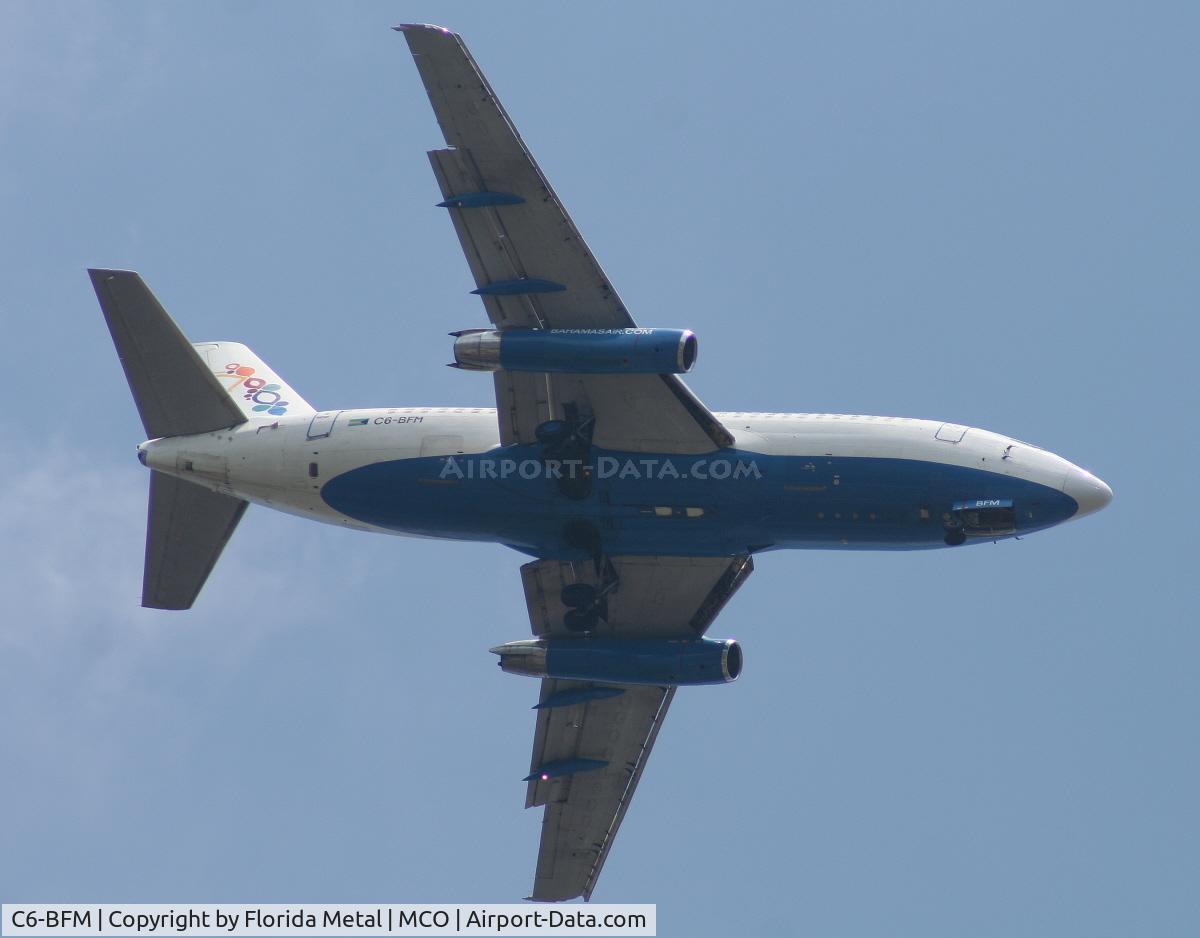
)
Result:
{"points": [[981, 214]]}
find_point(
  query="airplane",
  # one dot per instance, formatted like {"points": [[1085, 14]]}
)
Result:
{"points": [[641, 509]]}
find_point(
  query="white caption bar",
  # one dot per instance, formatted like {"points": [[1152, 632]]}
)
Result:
{"points": [[233, 921]]}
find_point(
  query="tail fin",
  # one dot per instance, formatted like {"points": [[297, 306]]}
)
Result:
{"points": [[173, 389], [177, 394], [252, 385]]}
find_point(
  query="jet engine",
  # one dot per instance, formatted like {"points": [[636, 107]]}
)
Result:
{"points": [[577, 351], [624, 661]]}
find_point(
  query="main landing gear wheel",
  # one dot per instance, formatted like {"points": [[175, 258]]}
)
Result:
{"points": [[579, 595], [587, 605], [582, 620]]}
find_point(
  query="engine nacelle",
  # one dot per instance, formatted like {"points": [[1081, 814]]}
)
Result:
{"points": [[624, 661], [577, 351]]}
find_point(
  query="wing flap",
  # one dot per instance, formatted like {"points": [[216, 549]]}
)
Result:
{"points": [[523, 400], [488, 250], [537, 234], [534, 238], [583, 812], [654, 597]]}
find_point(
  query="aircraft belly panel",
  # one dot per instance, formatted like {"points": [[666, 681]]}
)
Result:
{"points": [[682, 505]]}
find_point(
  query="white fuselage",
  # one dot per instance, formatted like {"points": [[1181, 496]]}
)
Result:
{"points": [[285, 463]]}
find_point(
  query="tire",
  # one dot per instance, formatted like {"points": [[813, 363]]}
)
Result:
{"points": [[580, 620], [578, 595]]}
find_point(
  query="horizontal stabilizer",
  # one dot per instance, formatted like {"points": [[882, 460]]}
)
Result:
{"points": [[186, 529], [175, 392]]}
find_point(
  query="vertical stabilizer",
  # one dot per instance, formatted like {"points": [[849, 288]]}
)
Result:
{"points": [[252, 385]]}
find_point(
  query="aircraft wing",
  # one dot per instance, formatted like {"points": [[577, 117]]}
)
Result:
{"points": [[657, 597], [532, 269]]}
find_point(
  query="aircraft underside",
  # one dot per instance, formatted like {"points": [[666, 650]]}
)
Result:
{"points": [[642, 507], [737, 502]]}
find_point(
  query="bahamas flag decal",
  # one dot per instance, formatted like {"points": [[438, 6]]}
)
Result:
{"points": [[358, 422]]}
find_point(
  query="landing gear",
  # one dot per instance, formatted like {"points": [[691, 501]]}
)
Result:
{"points": [[587, 605], [991, 517], [579, 595], [584, 536], [568, 442], [581, 620]]}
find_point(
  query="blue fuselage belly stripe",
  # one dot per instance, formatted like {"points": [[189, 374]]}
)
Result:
{"points": [[716, 504]]}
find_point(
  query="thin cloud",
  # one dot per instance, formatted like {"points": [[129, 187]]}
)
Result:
{"points": [[79, 658], [53, 59]]}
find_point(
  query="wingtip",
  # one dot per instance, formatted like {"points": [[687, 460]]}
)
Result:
{"points": [[99, 274], [430, 27]]}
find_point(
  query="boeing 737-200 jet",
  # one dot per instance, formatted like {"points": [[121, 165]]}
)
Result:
{"points": [[640, 507]]}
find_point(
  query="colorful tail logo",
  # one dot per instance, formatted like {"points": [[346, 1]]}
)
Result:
{"points": [[265, 396]]}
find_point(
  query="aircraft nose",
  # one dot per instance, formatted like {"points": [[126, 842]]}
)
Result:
{"points": [[1089, 492]]}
